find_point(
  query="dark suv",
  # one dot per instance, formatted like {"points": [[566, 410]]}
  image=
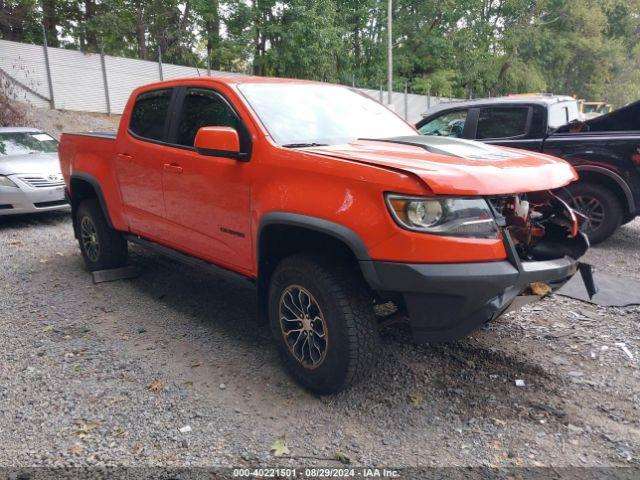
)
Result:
{"points": [[605, 151]]}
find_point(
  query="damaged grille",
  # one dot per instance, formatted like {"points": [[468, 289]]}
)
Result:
{"points": [[541, 226]]}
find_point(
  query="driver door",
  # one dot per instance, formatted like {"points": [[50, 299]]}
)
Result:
{"points": [[207, 198]]}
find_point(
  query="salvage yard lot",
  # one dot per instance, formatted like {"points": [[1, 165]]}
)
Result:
{"points": [[111, 373]]}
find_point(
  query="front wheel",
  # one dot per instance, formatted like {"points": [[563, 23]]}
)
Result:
{"points": [[599, 204], [322, 319]]}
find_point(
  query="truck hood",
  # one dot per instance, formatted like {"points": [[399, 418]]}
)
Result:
{"points": [[43, 163], [624, 119], [458, 167]]}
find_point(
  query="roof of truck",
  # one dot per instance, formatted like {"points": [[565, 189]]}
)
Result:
{"points": [[231, 80], [541, 99], [234, 79]]}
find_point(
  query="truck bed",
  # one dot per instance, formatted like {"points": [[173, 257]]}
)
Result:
{"points": [[90, 152]]}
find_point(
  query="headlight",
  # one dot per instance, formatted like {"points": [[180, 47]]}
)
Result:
{"points": [[460, 217], [6, 182]]}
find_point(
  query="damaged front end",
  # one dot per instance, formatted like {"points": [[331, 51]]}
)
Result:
{"points": [[443, 302], [541, 226], [543, 243]]}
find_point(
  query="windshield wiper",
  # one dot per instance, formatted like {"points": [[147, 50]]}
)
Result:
{"points": [[303, 145]]}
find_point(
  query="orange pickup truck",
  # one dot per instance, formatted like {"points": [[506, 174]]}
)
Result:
{"points": [[331, 204]]}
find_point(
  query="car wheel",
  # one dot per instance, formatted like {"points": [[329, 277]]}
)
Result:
{"points": [[322, 319], [601, 207], [102, 247]]}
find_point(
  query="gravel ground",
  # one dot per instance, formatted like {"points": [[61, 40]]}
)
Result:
{"points": [[57, 121], [110, 373]]}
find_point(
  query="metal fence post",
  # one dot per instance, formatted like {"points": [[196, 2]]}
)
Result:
{"points": [[52, 103], [380, 93], [160, 62], [406, 101], [104, 80]]}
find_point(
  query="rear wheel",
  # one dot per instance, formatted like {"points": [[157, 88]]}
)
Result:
{"points": [[322, 319], [102, 247], [601, 207]]}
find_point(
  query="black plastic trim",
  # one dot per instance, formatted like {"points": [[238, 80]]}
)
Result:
{"points": [[93, 181], [448, 301], [186, 258], [510, 248], [55, 203], [346, 235], [240, 156]]}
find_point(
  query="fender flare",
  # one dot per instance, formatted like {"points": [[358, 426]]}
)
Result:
{"points": [[93, 181], [628, 194], [339, 232], [327, 227]]}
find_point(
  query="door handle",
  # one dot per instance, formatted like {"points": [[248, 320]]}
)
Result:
{"points": [[125, 156], [172, 168]]}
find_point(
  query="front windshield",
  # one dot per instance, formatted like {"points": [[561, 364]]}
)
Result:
{"points": [[24, 143], [302, 114]]}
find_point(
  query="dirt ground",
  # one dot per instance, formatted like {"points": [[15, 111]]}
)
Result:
{"points": [[114, 373], [57, 121]]}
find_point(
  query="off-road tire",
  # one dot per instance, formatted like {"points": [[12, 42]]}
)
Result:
{"points": [[112, 245], [346, 304], [613, 210]]}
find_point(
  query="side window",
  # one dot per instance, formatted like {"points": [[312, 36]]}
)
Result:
{"points": [[502, 122], [149, 114], [562, 113], [450, 124], [537, 121], [202, 108]]}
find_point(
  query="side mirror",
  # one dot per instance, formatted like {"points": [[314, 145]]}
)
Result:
{"points": [[218, 142]]}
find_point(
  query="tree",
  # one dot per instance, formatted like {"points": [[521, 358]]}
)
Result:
{"points": [[590, 48], [19, 20], [50, 21]]}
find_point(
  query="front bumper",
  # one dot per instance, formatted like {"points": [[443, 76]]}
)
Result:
{"points": [[21, 200], [448, 301]]}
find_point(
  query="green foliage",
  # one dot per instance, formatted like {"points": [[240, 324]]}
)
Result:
{"points": [[587, 48], [440, 82]]}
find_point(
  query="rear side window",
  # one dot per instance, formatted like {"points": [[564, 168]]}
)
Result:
{"points": [[502, 122], [203, 108], [562, 113], [149, 114]]}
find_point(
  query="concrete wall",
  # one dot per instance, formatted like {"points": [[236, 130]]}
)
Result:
{"points": [[78, 80]]}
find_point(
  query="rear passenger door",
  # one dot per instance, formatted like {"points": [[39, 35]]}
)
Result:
{"points": [[139, 159], [509, 126], [207, 198]]}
